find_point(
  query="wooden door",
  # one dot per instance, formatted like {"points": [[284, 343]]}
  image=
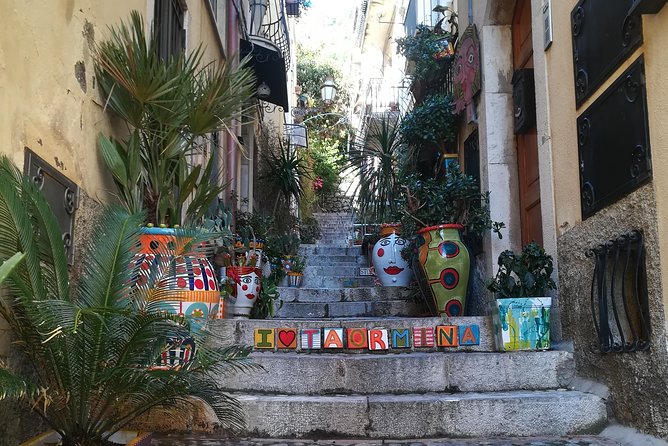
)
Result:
{"points": [[527, 143]]}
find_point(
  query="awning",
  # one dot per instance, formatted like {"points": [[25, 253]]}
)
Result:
{"points": [[269, 67]]}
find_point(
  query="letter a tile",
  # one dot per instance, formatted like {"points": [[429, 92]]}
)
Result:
{"points": [[286, 338], [378, 339], [423, 337], [469, 335], [401, 338], [446, 336], [357, 338], [333, 338], [310, 339], [264, 338]]}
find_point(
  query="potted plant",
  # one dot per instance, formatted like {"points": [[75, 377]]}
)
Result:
{"points": [[435, 211], [426, 51], [522, 310], [170, 106], [296, 273], [93, 345], [428, 130]]}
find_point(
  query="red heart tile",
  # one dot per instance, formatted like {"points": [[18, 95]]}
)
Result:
{"points": [[287, 338]]}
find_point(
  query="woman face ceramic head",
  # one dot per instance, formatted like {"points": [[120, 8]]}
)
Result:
{"points": [[249, 286], [390, 267]]}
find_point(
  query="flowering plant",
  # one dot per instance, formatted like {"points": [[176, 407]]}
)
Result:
{"points": [[318, 184]]}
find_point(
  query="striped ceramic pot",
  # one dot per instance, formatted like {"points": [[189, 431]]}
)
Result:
{"points": [[188, 286], [445, 264]]}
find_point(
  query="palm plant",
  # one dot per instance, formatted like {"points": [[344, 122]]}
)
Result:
{"points": [[169, 106], [375, 160], [283, 173], [90, 346]]}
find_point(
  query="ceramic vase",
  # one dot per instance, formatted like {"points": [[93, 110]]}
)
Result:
{"points": [[246, 291], [445, 265], [391, 269], [522, 323], [187, 282]]}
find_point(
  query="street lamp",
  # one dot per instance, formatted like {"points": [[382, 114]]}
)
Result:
{"points": [[328, 90]]}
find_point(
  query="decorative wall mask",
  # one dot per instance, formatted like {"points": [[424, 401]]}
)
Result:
{"points": [[467, 71]]}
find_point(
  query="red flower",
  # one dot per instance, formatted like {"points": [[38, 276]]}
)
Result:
{"points": [[318, 183]]}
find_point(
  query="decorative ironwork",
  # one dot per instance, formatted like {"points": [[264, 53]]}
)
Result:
{"points": [[601, 45], [619, 299], [613, 142], [60, 192]]}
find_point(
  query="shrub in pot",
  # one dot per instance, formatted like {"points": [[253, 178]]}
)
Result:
{"points": [[435, 211], [296, 273], [522, 307]]}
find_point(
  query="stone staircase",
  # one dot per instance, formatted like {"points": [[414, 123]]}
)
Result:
{"points": [[463, 392]]}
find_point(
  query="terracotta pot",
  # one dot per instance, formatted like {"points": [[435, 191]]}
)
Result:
{"points": [[522, 323], [192, 288], [445, 264], [391, 269], [245, 294]]}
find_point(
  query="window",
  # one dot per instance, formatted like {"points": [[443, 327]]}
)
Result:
{"points": [[169, 27]]}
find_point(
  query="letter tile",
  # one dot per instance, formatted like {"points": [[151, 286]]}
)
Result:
{"points": [[446, 336], [333, 338], [378, 339], [423, 337], [357, 338], [469, 335], [286, 338], [264, 338], [401, 338], [310, 339]]}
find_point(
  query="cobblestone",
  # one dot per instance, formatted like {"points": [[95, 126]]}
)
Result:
{"points": [[188, 440]]}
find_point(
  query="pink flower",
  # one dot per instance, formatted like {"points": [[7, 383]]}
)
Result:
{"points": [[318, 183]]}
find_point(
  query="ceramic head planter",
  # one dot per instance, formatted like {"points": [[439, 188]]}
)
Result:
{"points": [[391, 268], [247, 289]]}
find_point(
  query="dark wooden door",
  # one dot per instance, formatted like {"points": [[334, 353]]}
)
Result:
{"points": [[527, 143]]}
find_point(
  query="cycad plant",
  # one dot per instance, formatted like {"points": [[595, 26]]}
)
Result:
{"points": [[90, 346], [170, 108], [375, 160]]}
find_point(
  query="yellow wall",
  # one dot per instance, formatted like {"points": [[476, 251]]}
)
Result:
{"points": [[44, 107], [563, 114]]}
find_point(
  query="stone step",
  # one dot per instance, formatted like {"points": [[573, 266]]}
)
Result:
{"points": [[310, 310], [331, 271], [309, 250], [324, 260], [321, 281], [303, 294], [516, 413], [417, 372], [241, 331]]}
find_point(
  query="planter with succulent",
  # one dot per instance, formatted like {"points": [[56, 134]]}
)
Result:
{"points": [[435, 211], [296, 273], [391, 268], [428, 130], [522, 310], [93, 345]]}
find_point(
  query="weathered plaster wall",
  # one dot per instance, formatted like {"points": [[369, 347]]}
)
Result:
{"points": [[638, 380], [51, 105]]}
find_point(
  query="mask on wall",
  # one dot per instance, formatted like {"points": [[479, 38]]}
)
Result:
{"points": [[466, 75]]}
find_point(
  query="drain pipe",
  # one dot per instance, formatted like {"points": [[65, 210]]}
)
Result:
{"points": [[232, 155]]}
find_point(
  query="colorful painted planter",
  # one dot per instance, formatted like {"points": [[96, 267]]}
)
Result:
{"points": [[522, 323], [391, 269], [188, 284], [246, 292], [445, 265], [295, 279]]}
